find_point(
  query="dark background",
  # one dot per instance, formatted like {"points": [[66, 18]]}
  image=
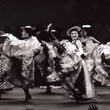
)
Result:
{"points": [[62, 13]]}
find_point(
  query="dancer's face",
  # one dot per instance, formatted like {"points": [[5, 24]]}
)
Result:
{"points": [[74, 35], [24, 34], [83, 33]]}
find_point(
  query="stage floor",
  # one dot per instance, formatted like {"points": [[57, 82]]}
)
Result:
{"points": [[58, 100]]}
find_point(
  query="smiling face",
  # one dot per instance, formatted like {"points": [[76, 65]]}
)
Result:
{"points": [[74, 35]]}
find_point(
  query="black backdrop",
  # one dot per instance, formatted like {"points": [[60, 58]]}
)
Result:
{"points": [[62, 13]]}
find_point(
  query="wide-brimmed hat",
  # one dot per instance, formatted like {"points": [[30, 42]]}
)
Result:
{"points": [[28, 27], [3, 34], [70, 29], [86, 26]]}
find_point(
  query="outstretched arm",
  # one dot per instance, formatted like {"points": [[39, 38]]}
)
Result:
{"points": [[80, 47], [94, 40]]}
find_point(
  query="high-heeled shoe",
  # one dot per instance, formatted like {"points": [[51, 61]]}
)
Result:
{"points": [[77, 96], [28, 98]]}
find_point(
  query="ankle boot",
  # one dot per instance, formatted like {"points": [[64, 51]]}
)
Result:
{"points": [[29, 97], [76, 96]]}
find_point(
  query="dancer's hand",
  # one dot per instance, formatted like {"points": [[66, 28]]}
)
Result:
{"points": [[48, 27], [93, 107], [29, 107]]}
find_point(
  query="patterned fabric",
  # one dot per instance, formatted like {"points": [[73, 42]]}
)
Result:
{"points": [[70, 58], [89, 45], [1, 67], [17, 51], [100, 66], [27, 71], [15, 47], [71, 66], [4, 85], [69, 63], [45, 61], [73, 69]]}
